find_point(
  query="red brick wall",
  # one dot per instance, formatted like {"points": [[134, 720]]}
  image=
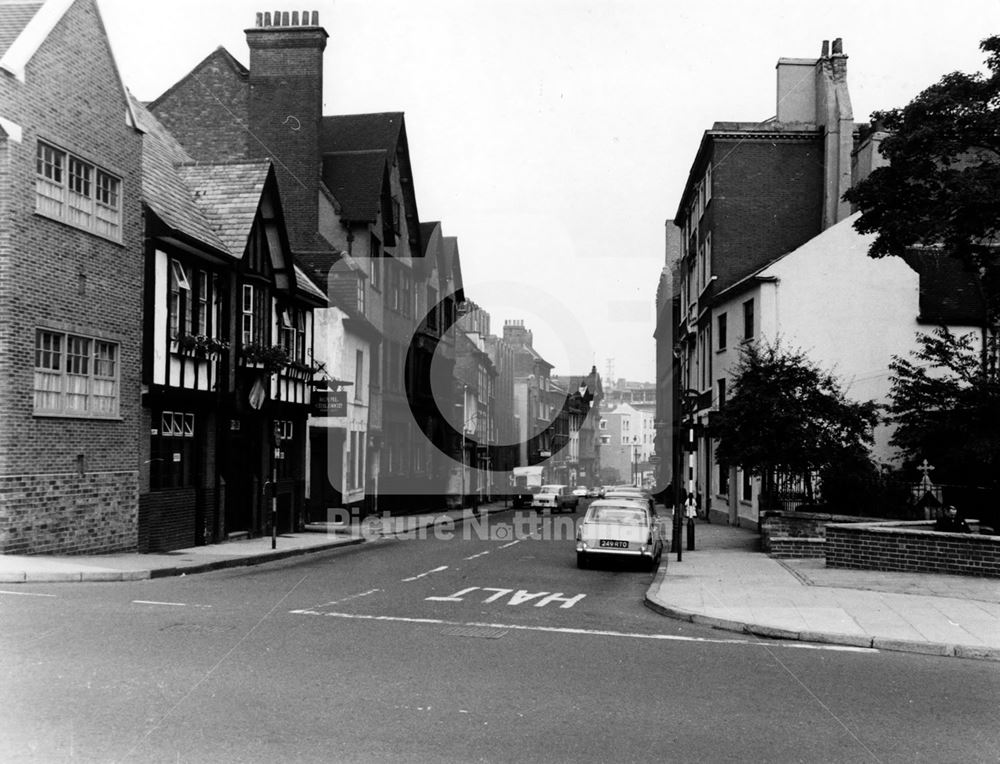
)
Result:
{"points": [[285, 116], [59, 276], [207, 110], [911, 547], [768, 195]]}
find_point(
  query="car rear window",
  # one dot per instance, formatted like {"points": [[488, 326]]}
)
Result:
{"points": [[619, 515]]}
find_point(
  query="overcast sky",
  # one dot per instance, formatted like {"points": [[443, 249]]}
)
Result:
{"points": [[554, 137]]}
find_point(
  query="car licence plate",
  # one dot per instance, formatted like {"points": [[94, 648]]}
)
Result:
{"points": [[615, 544]]}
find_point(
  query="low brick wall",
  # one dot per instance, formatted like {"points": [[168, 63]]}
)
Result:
{"points": [[911, 546], [796, 547], [799, 534]]}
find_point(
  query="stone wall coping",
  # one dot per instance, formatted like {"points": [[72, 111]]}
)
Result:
{"points": [[848, 519], [922, 528]]}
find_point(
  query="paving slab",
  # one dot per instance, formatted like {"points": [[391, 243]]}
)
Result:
{"points": [[728, 583]]}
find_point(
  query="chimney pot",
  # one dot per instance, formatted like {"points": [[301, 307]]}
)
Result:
{"points": [[260, 19], [826, 49], [267, 19], [284, 19], [277, 18], [295, 18], [838, 47], [315, 18]]}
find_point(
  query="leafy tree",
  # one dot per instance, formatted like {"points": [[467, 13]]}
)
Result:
{"points": [[788, 416], [942, 186], [947, 408]]}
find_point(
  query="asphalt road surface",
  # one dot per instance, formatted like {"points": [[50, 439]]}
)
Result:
{"points": [[493, 647]]}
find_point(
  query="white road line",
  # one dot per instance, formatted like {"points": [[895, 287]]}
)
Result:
{"points": [[477, 555], [511, 544], [351, 597], [436, 570], [582, 632], [27, 594], [167, 604]]}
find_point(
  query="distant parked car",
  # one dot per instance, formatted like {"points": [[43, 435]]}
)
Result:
{"points": [[556, 498], [630, 492], [619, 528], [580, 492], [595, 492]]}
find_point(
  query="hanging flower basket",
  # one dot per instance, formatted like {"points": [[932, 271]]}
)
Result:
{"points": [[199, 346], [271, 359]]}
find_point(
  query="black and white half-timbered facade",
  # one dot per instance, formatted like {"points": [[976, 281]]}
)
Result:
{"points": [[228, 361]]}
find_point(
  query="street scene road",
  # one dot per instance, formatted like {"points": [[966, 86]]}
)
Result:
{"points": [[475, 646]]}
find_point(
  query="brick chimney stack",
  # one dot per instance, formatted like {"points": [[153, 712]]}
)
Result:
{"points": [[286, 111], [516, 334]]}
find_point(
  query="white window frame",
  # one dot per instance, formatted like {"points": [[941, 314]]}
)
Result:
{"points": [[81, 385], [77, 192]]}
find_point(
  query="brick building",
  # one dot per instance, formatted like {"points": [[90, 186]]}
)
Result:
{"points": [[755, 192], [71, 286], [347, 186]]}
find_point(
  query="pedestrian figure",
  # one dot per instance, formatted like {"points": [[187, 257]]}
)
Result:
{"points": [[950, 522], [690, 506]]}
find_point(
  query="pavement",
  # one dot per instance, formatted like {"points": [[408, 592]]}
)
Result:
{"points": [[318, 537], [726, 583]]}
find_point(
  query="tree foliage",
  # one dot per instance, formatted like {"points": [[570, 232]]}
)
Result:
{"points": [[786, 415], [947, 407], [942, 185]]}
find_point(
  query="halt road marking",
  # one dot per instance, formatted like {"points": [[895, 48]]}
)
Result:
{"points": [[518, 597], [481, 554], [26, 594], [511, 544], [436, 570], [582, 632], [168, 604]]}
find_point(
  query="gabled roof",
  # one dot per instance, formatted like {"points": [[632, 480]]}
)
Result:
{"points": [[228, 195], [219, 54], [385, 131], [14, 17], [362, 132], [26, 25], [164, 190], [356, 180]]}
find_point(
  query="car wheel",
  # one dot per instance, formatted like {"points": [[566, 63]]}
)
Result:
{"points": [[581, 559]]}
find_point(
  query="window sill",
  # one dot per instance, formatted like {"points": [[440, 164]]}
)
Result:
{"points": [[85, 417]]}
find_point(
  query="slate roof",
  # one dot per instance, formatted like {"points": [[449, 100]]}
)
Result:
{"points": [[356, 178], [14, 17], [362, 132], [305, 284], [164, 190], [949, 294], [228, 195]]}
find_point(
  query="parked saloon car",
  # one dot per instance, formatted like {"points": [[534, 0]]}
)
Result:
{"points": [[619, 528], [630, 492], [581, 492], [555, 498]]}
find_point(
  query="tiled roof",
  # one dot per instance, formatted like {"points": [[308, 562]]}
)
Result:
{"points": [[305, 284], [356, 179], [949, 294], [14, 17], [228, 195], [362, 132], [164, 190]]}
